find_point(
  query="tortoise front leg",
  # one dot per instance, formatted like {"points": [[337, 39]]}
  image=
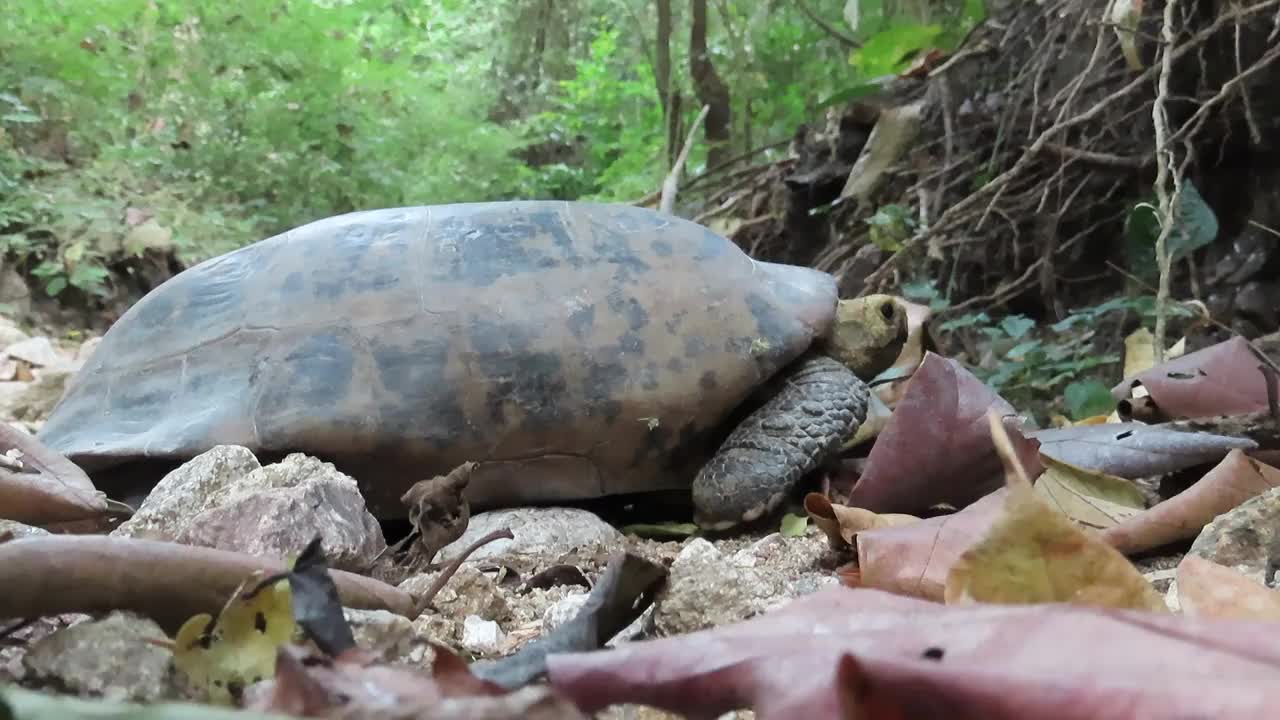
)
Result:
{"points": [[819, 405]]}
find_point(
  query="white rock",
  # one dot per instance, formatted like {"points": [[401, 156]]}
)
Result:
{"points": [[697, 550], [10, 333], [38, 351], [545, 532], [481, 636], [563, 611]]}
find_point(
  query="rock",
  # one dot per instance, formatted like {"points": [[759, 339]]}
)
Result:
{"points": [[544, 532], [16, 530], [37, 398], [562, 612], [224, 499], [705, 589], [392, 637], [15, 296], [480, 636], [38, 351], [468, 592], [1242, 538], [10, 333], [107, 658]]}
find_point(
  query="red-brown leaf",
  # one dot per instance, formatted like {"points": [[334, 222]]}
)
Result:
{"points": [[936, 447], [1221, 379], [913, 658], [1231, 482]]}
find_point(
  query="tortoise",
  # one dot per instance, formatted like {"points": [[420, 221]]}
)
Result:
{"points": [[573, 350]]}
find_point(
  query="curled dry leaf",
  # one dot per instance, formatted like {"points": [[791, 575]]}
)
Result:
{"points": [[1130, 450], [41, 487], [936, 447], [1035, 554], [1221, 379], [439, 513], [625, 590], [919, 659], [1090, 498], [1208, 589], [1231, 482], [841, 523], [915, 559], [167, 582]]}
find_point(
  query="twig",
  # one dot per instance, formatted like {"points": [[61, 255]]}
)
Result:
{"points": [[827, 27], [425, 600], [1164, 177], [1097, 158], [996, 186], [671, 184]]}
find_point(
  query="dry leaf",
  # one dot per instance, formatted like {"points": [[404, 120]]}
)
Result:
{"points": [[1086, 496], [1034, 554], [1132, 450], [1222, 379], [841, 523], [914, 559], [1231, 482]]}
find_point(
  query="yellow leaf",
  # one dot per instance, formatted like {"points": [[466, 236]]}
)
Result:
{"points": [[1087, 496], [1035, 554], [240, 647]]}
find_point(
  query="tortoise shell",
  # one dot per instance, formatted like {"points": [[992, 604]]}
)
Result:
{"points": [[576, 350]]}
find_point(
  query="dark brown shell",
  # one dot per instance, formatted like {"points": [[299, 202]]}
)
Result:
{"points": [[576, 349]]}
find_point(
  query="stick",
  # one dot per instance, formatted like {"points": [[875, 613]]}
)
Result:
{"points": [[670, 185], [1164, 172]]}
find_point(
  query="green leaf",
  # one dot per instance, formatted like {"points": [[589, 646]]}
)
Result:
{"points": [[668, 530], [887, 51], [56, 285], [1086, 398], [1023, 348], [24, 118], [1194, 226], [1015, 326], [794, 525]]}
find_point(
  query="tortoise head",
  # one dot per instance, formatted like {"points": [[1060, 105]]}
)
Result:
{"points": [[868, 334]]}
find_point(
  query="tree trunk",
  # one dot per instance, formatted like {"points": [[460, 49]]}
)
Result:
{"points": [[662, 78], [710, 88]]}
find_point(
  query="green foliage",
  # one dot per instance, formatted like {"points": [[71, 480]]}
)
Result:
{"points": [[1086, 398], [227, 122], [233, 121], [1194, 226], [1037, 367]]}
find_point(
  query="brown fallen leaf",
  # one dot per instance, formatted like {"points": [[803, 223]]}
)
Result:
{"points": [[918, 659], [167, 582], [1130, 450], [1089, 497], [1208, 589], [1035, 554], [1222, 379], [841, 523], [936, 447], [355, 687], [40, 486], [915, 559], [1231, 482]]}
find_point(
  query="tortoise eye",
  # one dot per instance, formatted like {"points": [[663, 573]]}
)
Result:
{"points": [[886, 309]]}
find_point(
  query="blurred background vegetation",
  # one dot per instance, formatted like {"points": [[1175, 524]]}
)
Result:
{"points": [[199, 125]]}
